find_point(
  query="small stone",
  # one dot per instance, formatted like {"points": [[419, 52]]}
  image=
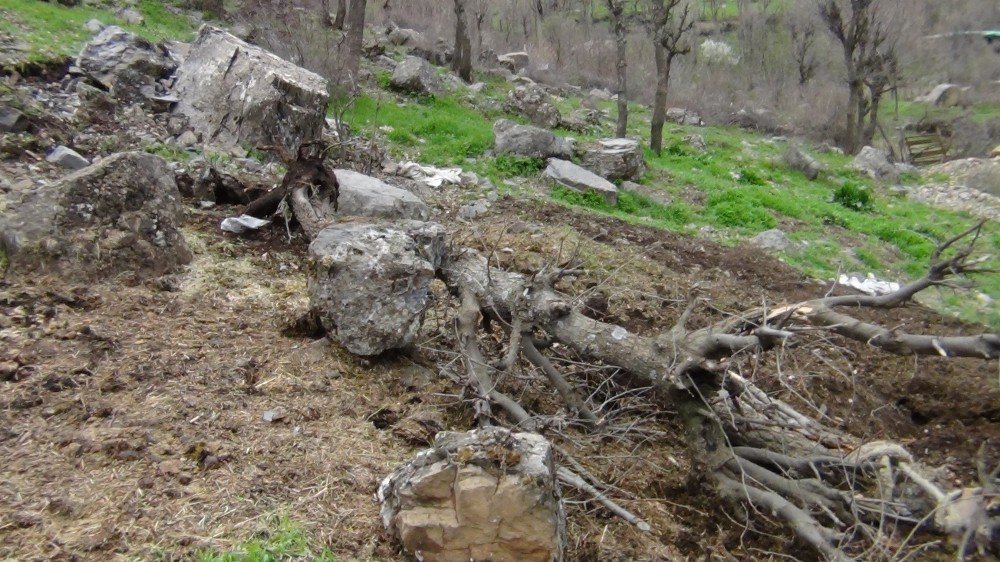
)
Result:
{"points": [[94, 26], [187, 139], [474, 210], [272, 416], [697, 142], [67, 158], [774, 239], [12, 120], [130, 16]]}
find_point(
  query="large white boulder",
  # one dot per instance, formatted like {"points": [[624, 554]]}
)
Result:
{"points": [[237, 94], [370, 283], [119, 216]]}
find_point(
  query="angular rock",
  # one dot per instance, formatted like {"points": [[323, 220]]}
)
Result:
{"points": [[405, 37], [473, 210], [416, 76], [124, 63], [120, 215], [583, 120], [533, 102], [363, 195], [187, 139], [574, 177], [94, 26], [237, 94], [615, 159], [96, 105], [945, 95], [130, 16], [532, 142], [370, 284], [875, 163], [773, 239], [67, 158], [12, 120], [696, 141], [487, 494], [514, 62], [682, 116], [797, 159]]}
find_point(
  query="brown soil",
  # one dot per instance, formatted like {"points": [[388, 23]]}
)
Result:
{"points": [[133, 415]]}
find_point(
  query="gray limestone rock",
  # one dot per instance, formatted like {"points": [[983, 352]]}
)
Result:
{"points": [[237, 94]]}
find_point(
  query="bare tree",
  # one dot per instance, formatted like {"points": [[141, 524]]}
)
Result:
{"points": [[355, 39], [618, 25], [668, 32], [803, 35], [461, 61], [870, 59], [336, 18]]}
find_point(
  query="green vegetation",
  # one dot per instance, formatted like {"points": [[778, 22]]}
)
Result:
{"points": [[53, 32], [168, 152], [631, 207], [853, 196], [282, 541], [738, 187], [913, 111], [438, 131]]}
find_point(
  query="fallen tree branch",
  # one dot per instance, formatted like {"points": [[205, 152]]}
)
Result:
{"points": [[555, 377], [568, 477]]}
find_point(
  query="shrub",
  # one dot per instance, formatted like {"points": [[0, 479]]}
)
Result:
{"points": [[718, 52], [743, 214], [750, 176], [507, 166], [853, 196]]}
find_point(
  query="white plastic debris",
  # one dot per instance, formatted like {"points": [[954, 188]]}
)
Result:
{"points": [[869, 285], [433, 177], [243, 223]]}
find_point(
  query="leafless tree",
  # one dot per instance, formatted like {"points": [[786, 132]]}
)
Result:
{"points": [[871, 62], [668, 31], [335, 18], [355, 39], [461, 61], [616, 8], [803, 36]]}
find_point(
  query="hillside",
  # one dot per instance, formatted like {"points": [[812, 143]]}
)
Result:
{"points": [[207, 412]]}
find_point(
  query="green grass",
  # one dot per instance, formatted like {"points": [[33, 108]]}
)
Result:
{"points": [[168, 152], [841, 221], [439, 131], [53, 32], [913, 111], [631, 207], [285, 540]]}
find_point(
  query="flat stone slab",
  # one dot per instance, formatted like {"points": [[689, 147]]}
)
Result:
{"points": [[568, 174]]}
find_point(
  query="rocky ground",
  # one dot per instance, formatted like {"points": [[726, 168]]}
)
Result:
{"points": [[164, 416]]}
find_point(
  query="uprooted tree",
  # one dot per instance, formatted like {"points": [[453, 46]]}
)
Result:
{"points": [[833, 491]]}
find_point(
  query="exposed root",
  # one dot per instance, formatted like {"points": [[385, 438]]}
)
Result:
{"points": [[757, 449]]}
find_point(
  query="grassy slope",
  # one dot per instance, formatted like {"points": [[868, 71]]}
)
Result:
{"points": [[53, 31], [746, 189]]}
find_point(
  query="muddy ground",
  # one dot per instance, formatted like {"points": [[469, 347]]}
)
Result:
{"points": [[132, 414]]}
